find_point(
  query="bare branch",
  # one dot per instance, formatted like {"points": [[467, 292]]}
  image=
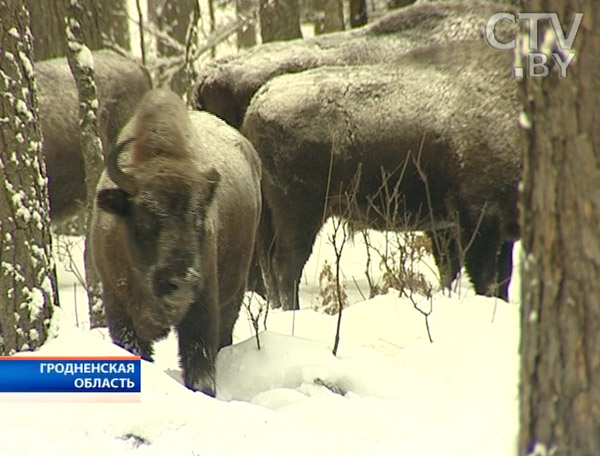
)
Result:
{"points": [[425, 314], [255, 318], [338, 225], [141, 27]]}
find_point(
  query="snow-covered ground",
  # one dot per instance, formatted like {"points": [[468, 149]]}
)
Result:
{"points": [[388, 392]]}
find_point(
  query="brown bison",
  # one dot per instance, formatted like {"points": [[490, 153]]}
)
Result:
{"points": [[173, 232], [121, 85], [227, 85], [436, 137]]}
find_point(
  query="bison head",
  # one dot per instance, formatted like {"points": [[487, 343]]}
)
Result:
{"points": [[163, 204]]}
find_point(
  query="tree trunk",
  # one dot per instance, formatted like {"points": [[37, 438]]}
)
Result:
{"points": [[393, 4], [82, 66], [279, 20], [212, 23], [560, 216], [329, 16], [358, 13], [108, 17], [27, 274], [246, 36]]}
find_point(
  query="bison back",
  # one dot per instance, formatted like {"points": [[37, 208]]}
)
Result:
{"points": [[121, 84], [449, 110], [227, 85]]}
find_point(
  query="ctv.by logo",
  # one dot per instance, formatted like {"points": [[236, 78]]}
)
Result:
{"points": [[555, 45]]}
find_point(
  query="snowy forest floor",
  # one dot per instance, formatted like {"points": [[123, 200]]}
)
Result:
{"points": [[388, 392]]}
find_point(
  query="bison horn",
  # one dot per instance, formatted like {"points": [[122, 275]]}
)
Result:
{"points": [[123, 180]]}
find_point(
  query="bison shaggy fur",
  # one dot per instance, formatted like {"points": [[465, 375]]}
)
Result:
{"points": [[438, 132], [173, 232], [226, 86]]}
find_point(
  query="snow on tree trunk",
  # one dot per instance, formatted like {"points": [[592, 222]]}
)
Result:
{"points": [[82, 66], [560, 216], [279, 20], [27, 274]]}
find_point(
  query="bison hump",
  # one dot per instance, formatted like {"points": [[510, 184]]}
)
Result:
{"points": [[161, 126]]}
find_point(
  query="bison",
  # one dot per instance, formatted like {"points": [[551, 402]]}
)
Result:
{"points": [[440, 129], [173, 232], [121, 85], [227, 85]]}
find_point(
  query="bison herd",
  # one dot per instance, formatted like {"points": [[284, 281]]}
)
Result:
{"points": [[195, 206]]}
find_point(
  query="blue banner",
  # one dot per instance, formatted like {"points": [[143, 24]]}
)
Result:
{"points": [[70, 375]]}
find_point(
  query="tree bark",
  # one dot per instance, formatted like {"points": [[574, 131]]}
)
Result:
{"points": [[560, 216], [279, 20], [81, 63], [108, 17], [27, 275], [246, 36], [393, 4], [329, 16], [358, 13], [212, 23]]}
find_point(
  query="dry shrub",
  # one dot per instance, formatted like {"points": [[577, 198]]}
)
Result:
{"points": [[327, 301]]}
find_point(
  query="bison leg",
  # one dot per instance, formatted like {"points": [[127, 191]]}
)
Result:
{"points": [[290, 257], [446, 252], [229, 315], [198, 345], [121, 330], [504, 272], [265, 245], [293, 246], [286, 241], [481, 258], [256, 282]]}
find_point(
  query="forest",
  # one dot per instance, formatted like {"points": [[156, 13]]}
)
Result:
{"points": [[327, 225]]}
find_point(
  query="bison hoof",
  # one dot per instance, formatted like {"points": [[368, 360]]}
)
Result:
{"points": [[200, 378], [206, 386], [135, 346]]}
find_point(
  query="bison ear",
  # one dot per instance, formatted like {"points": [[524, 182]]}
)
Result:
{"points": [[213, 178], [114, 201]]}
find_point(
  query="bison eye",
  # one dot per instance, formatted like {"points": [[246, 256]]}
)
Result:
{"points": [[145, 224]]}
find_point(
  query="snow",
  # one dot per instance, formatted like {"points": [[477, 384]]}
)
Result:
{"points": [[27, 65], [9, 56], [85, 58], [9, 269], [14, 33], [22, 109], [83, 54], [388, 392], [35, 301], [524, 121], [24, 213]]}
